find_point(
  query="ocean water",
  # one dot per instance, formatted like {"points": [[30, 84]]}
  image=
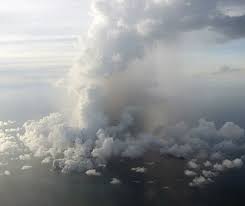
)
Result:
{"points": [[162, 184]]}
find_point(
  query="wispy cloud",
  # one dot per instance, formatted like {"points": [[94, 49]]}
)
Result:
{"points": [[228, 70], [37, 18]]}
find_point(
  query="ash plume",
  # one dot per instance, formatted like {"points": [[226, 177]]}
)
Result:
{"points": [[120, 104]]}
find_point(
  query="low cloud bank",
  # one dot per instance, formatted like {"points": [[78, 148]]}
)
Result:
{"points": [[210, 150]]}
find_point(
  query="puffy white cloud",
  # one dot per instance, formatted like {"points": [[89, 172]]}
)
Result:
{"points": [[47, 137], [46, 160], [218, 167], [6, 124], [11, 147], [190, 173], [208, 174], [229, 164], [139, 169], [207, 164], [92, 172], [51, 138], [7, 173], [193, 165], [71, 149], [237, 163], [104, 147], [230, 130], [198, 181], [115, 181], [26, 167]]}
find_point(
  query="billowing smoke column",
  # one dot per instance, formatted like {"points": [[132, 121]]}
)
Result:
{"points": [[113, 97], [116, 39]]}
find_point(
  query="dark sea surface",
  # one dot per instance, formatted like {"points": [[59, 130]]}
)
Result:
{"points": [[163, 184]]}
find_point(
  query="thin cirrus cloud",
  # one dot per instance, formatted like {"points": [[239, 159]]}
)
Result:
{"points": [[37, 48], [35, 60], [34, 35], [37, 42]]}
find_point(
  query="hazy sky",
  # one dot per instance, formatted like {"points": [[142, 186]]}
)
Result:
{"points": [[33, 25], [42, 18], [39, 40], [40, 32]]}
